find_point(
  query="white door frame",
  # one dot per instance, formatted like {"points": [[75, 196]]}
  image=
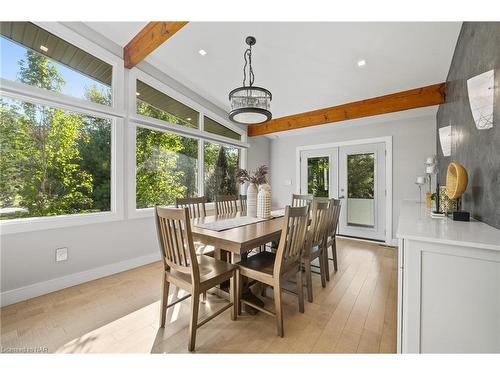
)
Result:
{"points": [[388, 172]]}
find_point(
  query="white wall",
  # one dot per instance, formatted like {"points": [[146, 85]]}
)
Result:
{"points": [[259, 152], [413, 140]]}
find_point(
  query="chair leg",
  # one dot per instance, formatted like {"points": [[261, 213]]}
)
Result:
{"points": [[327, 266], [233, 295], [334, 253], [263, 291], [300, 290], [204, 297], [279, 309], [164, 302], [195, 305], [322, 269], [307, 267]]}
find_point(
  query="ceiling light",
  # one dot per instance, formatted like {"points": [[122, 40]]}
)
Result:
{"points": [[43, 48], [250, 104], [137, 93], [202, 52], [361, 63]]}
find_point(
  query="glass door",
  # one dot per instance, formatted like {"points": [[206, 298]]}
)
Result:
{"points": [[319, 172], [362, 191]]}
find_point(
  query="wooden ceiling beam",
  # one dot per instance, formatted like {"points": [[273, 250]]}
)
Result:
{"points": [[148, 39], [400, 101]]}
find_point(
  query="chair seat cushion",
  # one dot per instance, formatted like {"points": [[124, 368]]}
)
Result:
{"points": [[262, 262], [209, 268]]}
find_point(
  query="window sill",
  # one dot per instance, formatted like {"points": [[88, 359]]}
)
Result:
{"points": [[55, 222]]}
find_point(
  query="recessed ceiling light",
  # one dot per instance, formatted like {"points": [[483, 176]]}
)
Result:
{"points": [[202, 52], [137, 93], [43, 48], [188, 119], [361, 63]]}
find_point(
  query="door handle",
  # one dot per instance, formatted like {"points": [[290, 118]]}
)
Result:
{"points": [[341, 197]]}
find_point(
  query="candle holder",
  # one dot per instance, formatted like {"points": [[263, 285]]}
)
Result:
{"points": [[420, 182]]}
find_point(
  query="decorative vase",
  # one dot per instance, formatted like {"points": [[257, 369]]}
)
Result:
{"points": [[252, 200], [445, 203], [264, 202], [428, 200]]}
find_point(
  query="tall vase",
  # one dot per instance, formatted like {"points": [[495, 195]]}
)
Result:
{"points": [[264, 202], [252, 200]]}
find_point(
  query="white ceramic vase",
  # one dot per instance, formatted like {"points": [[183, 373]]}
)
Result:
{"points": [[252, 200], [264, 202]]}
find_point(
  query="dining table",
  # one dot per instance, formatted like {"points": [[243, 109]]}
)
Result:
{"points": [[239, 236]]}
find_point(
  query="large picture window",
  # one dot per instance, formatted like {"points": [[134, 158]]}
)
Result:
{"points": [[52, 161], [35, 57], [166, 167], [221, 165]]}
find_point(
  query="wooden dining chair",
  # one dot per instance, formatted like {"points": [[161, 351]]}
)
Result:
{"points": [[315, 244], [331, 239], [301, 200], [196, 206], [225, 204], [273, 268], [182, 267], [243, 204]]}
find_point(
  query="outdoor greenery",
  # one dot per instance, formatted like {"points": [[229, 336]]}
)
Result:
{"points": [[361, 174], [52, 161], [317, 176], [55, 162]]}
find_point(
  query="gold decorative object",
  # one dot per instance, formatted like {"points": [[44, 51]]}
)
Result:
{"points": [[446, 204], [428, 200], [456, 180]]}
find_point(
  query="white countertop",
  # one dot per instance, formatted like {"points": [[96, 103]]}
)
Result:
{"points": [[415, 223]]}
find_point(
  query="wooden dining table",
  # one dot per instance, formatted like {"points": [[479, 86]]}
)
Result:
{"points": [[237, 242]]}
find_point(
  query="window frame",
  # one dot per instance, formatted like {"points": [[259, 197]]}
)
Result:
{"points": [[115, 113], [136, 120]]}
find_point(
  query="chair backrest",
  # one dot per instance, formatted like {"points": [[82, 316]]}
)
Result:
{"points": [[176, 240], [225, 204], [293, 235], [196, 206], [243, 204], [333, 217], [320, 218], [299, 200]]}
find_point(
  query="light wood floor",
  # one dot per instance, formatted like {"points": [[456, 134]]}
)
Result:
{"points": [[356, 312]]}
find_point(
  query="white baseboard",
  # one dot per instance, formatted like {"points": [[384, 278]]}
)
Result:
{"points": [[34, 290]]}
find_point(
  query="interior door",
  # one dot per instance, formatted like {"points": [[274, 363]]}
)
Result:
{"points": [[362, 191], [319, 172]]}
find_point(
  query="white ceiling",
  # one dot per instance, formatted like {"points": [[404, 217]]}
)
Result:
{"points": [[305, 65]]}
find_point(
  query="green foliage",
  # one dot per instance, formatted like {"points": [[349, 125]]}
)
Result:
{"points": [[53, 162], [317, 176], [360, 180], [221, 166]]}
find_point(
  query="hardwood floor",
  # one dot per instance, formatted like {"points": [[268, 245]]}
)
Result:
{"points": [[355, 313]]}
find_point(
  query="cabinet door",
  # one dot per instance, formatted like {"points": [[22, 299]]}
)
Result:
{"points": [[451, 299]]}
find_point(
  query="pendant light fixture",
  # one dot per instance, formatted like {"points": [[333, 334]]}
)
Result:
{"points": [[250, 104]]}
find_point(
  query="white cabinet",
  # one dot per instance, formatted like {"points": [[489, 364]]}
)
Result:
{"points": [[449, 285]]}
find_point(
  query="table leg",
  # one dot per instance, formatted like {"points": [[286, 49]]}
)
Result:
{"points": [[247, 293]]}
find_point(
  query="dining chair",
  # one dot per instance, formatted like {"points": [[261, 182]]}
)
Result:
{"points": [[301, 200], [196, 206], [331, 235], [243, 204], [193, 273], [225, 204], [314, 247], [273, 268]]}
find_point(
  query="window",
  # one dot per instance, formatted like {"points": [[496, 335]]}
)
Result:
{"points": [[153, 103], [214, 127], [34, 56], [166, 167], [52, 161], [221, 165]]}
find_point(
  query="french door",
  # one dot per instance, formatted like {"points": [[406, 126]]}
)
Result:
{"points": [[356, 175]]}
